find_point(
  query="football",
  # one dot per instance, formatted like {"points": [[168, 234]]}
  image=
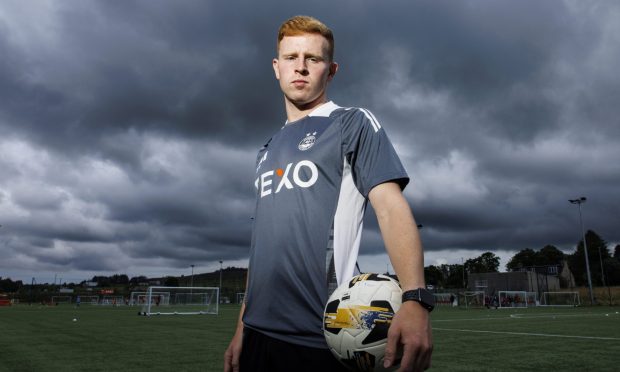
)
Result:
{"points": [[356, 320]]}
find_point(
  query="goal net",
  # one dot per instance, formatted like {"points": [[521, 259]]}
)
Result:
{"points": [[139, 298], [512, 299], [240, 297], [473, 299], [57, 300], [531, 299], [445, 299], [560, 299], [89, 300], [112, 300], [181, 301]]}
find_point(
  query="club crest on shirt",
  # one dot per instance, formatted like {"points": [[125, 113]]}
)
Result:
{"points": [[307, 142]]}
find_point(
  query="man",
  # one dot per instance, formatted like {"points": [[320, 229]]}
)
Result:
{"points": [[313, 179]]}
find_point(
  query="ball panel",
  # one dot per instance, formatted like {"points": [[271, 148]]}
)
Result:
{"points": [[357, 318]]}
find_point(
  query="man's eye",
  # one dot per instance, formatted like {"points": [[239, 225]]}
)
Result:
{"points": [[313, 59]]}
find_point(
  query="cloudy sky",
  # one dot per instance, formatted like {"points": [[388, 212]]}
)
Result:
{"points": [[128, 130]]}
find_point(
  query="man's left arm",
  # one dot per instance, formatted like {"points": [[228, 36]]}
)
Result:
{"points": [[410, 331]]}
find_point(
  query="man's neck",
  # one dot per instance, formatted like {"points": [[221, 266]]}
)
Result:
{"points": [[295, 112]]}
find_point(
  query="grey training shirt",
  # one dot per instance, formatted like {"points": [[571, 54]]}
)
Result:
{"points": [[312, 182]]}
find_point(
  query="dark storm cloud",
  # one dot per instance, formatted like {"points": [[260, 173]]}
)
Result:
{"points": [[129, 129], [158, 68]]}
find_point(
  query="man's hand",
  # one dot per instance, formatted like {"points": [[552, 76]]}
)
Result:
{"points": [[410, 332], [231, 356]]}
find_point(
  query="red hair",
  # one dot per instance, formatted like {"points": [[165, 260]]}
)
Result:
{"points": [[299, 25]]}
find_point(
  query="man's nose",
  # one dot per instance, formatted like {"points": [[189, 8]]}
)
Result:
{"points": [[301, 67]]}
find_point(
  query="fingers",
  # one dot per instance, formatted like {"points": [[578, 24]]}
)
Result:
{"points": [[231, 360], [421, 360], [391, 348], [235, 362], [416, 356], [416, 360], [228, 360]]}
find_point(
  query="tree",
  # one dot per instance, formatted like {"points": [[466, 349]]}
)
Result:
{"points": [[119, 279], [576, 261], [138, 279], [617, 252], [102, 281], [612, 271], [549, 255], [525, 258], [433, 275], [171, 281], [487, 262], [7, 285], [456, 276], [444, 276]]}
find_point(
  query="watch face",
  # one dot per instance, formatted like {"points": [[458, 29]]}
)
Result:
{"points": [[421, 295], [427, 297]]}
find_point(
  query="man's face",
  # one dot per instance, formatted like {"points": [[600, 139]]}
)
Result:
{"points": [[304, 69]]}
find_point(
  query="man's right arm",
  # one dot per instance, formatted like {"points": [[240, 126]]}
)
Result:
{"points": [[231, 356]]}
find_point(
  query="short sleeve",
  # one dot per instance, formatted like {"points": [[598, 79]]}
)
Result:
{"points": [[369, 152]]}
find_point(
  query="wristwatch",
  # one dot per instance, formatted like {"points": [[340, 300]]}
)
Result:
{"points": [[421, 296]]}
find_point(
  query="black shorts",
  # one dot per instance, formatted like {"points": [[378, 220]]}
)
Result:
{"points": [[261, 353]]}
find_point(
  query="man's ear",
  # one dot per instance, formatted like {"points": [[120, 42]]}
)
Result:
{"points": [[274, 64], [333, 68]]}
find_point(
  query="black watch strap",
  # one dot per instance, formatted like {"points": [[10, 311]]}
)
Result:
{"points": [[421, 296]]}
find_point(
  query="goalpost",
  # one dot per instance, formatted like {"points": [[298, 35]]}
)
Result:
{"points": [[473, 299], [181, 301], [512, 299], [560, 299]]}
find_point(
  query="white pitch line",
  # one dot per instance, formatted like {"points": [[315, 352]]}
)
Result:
{"points": [[469, 319], [531, 316], [528, 334], [523, 316]]}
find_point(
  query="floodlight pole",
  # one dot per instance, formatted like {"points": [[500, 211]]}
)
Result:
{"points": [[32, 282], [600, 257], [585, 246], [191, 289], [221, 262], [463, 264]]}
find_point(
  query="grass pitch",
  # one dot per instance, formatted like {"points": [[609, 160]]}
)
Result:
{"points": [[532, 339], [104, 338]]}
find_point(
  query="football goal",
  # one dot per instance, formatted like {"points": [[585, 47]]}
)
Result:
{"points": [[531, 299], [57, 300], [139, 298], [560, 299], [240, 297], [512, 299], [181, 301], [473, 299], [89, 300], [445, 299], [112, 300]]}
